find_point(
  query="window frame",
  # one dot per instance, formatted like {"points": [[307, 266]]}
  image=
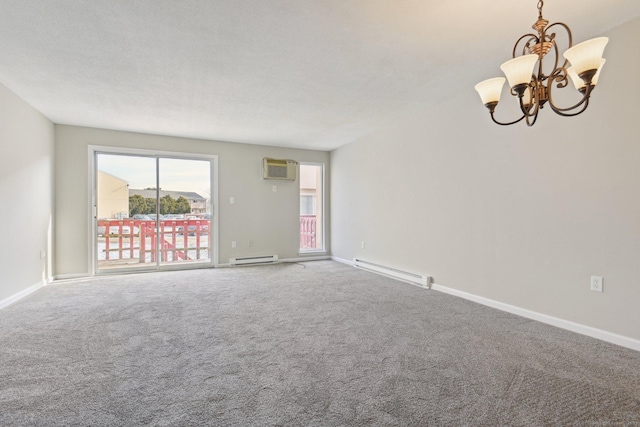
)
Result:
{"points": [[323, 208]]}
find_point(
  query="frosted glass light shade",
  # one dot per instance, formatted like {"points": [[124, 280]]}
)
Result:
{"points": [[578, 82], [519, 70], [586, 55], [490, 90]]}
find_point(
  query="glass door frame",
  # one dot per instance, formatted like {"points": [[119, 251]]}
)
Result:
{"points": [[93, 152]]}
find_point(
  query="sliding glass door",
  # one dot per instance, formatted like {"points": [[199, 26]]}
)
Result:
{"points": [[185, 216], [151, 212]]}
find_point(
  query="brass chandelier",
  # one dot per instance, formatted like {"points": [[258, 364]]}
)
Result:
{"points": [[531, 86]]}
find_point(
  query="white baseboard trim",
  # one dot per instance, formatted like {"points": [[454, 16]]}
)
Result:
{"points": [[306, 258], [17, 297], [72, 276], [544, 318], [341, 260]]}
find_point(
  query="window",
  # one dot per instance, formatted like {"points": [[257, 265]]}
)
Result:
{"points": [[311, 207]]}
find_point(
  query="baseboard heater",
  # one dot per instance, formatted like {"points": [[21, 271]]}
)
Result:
{"points": [[254, 260], [405, 276]]}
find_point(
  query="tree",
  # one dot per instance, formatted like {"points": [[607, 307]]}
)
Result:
{"points": [[167, 205], [137, 205], [151, 206], [182, 206]]}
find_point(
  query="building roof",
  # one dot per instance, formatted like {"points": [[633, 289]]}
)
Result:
{"points": [[150, 194]]}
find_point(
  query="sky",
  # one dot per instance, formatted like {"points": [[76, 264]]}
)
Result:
{"points": [[175, 174]]}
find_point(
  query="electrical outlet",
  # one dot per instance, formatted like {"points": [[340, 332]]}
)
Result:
{"points": [[274, 188], [362, 245], [232, 200], [233, 244], [596, 283]]}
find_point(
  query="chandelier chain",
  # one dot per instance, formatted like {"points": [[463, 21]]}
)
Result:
{"points": [[540, 5]]}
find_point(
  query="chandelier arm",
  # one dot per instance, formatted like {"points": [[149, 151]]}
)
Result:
{"points": [[534, 114], [561, 111], [556, 55], [560, 76], [529, 38], [568, 30], [534, 100], [509, 123], [535, 118]]}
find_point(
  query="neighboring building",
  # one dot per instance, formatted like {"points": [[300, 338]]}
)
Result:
{"points": [[197, 203], [113, 196]]}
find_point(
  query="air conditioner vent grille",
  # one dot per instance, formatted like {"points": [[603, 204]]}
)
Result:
{"points": [[277, 171]]}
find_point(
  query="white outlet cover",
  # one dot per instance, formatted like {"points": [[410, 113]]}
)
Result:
{"points": [[596, 283]]}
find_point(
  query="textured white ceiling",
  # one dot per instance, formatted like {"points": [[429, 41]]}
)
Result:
{"points": [[298, 73]]}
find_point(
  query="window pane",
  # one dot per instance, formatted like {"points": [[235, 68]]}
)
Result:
{"points": [[185, 221], [307, 204], [125, 229]]}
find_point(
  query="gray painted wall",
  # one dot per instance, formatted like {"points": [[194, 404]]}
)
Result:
{"points": [[269, 219], [26, 191], [520, 215]]}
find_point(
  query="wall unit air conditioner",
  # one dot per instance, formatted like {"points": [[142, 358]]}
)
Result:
{"points": [[285, 170]]}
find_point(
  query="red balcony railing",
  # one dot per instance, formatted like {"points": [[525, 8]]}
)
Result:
{"points": [[180, 240], [307, 232]]}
